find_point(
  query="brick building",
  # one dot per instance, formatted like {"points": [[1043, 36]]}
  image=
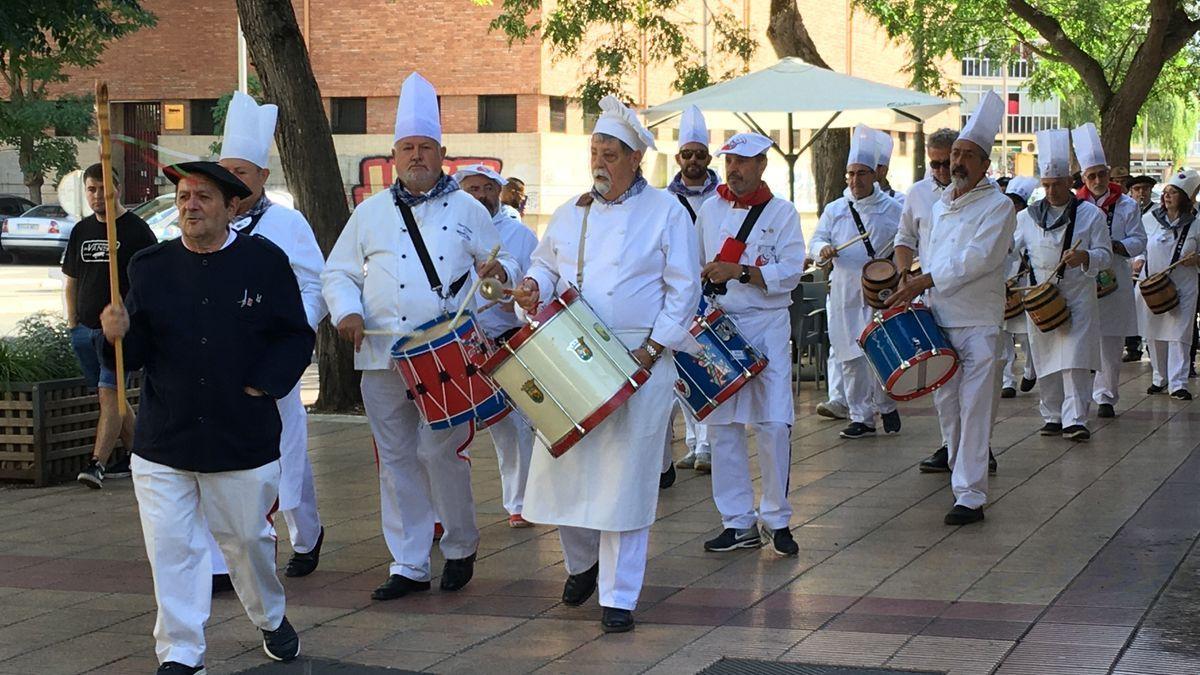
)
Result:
{"points": [[512, 105]]}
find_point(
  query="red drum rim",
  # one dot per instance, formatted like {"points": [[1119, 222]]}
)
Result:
{"points": [[711, 317], [568, 440], [923, 356], [730, 389], [527, 331]]}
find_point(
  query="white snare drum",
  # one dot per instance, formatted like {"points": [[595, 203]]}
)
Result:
{"points": [[565, 371]]}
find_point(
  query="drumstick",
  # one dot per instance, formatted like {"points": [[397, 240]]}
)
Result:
{"points": [[110, 223], [837, 249], [474, 287], [1062, 263]]}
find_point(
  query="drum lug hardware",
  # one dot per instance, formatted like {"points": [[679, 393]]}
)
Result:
{"points": [[906, 364]]}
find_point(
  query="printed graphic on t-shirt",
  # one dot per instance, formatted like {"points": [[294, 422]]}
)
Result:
{"points": [[95, 250]]}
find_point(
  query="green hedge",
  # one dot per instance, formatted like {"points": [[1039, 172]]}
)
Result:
{"points": [[40, 350]]}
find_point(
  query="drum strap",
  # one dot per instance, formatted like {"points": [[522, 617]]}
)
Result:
{"points": [[861, 229], [587, 208], [691, 212], [1072, 208], [414, 232], [1180, 239], [742, 235]]}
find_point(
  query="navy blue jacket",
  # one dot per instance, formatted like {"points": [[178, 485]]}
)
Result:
{"points": [[204, 327]]}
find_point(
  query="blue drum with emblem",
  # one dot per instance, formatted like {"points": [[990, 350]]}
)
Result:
{"points": [[908, 352], [725, 364]]}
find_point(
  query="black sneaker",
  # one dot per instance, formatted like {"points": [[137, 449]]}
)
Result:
{"points": [[667, 478], [1051, 429], [177, 668], [1076, 432], [891, 422], [961, 515], [1008, 392], [732, 538], [1156, 389], [1027, 383], [281, 644], [398, 586], [1130, 357], [221, 583], [857, 430], [93, 475], [992, 466], [1105, 411], [456, 573], [118, 468], [1181, 395], [781, 541], [303, 564], [938, 462]]}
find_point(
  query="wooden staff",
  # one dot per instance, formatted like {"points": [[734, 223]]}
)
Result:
{"points": [[110, 223]]}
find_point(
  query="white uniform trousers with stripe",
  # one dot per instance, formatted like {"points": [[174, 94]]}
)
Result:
{"points": [[733, 490], [513, 438]]}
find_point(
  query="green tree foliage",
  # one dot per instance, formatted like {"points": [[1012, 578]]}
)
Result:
{"points": [[39, 41]]}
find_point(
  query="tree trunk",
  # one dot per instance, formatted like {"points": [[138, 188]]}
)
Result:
{"points": [[919, 153], [789, 37], [309, 163], [33, 179], [1116, 131]]}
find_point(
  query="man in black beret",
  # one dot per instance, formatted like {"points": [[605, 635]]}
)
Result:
{"points": [[216, 321]]}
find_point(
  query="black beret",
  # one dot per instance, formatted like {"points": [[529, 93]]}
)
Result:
{"points": [[1141, 180], [215, 172]]}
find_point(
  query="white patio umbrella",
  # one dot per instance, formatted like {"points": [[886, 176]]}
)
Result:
{"points": [[794, 95]]}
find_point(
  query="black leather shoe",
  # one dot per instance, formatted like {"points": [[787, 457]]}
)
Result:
{"points": [[398, 586], [1076, 432], [1027, 383], [891, 422], [1130, 357], [667, 478], [456, 573], [1051, 429], [1156, 389], [1181, 395], [1008, 392], [938, 462], [961, 515], [303, 564], [614, 620], [1106, 411], [992, 466], [579, 587], [221, 583]]}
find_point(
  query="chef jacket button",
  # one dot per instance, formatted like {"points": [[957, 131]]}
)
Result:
{"points": [[401, 285], [610, 292], [445, 203], [403, 231], [203, 340], [200, 420], [204, 261], [404, 318], [443, 227], [202, 381], [403, 255], [204, 301], [440, 258]]}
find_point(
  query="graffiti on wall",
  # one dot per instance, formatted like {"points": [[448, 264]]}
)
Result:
{"points": [[379, 171]]}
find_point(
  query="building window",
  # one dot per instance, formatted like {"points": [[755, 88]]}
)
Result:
{"points": [[202, 117], [1014, 104], [590, 115], [497, 114], [558, 114], [348, 115]]}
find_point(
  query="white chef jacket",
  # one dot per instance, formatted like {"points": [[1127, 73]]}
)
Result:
{"points": [[519, 241], [1177, 324], [289, 230], [848, 310], [1075, 344], [968, 242], [641, 277], [374, 270], [1118, 309], [916, 213], [776, 246], [898, 195]]}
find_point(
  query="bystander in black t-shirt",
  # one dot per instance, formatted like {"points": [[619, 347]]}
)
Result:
{"points": [[86, 260]]}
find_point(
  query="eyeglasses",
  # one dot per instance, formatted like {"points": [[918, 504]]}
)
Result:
{"points": [[1096, 175], [698, 154], [939, 164]]}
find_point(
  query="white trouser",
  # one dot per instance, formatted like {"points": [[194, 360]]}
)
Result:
{"points": [[835, 379], [1108, 378], [176, 509], [695, 434], [424, 475], [1008, 348], [513, 438], [622, 558], [1066, 396], [864, 396], [966, 408], [1171, 362], [733, 491]]}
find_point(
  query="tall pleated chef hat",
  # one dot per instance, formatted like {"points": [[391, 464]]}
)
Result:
{"points": [[618, 120], [249, 129], [884, 144], [1088, 150], [864, 147], [1022, 186], [692, 128], [983, 125], [1187, 180], [1054, 153], [417, 111]]}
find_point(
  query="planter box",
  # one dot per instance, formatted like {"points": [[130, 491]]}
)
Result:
{"points": [[47, 429]]}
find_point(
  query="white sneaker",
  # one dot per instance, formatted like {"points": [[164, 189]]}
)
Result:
{"points": [[688, 461], [833, 410], [703, 461]]}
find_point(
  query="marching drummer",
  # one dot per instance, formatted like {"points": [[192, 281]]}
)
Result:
{"points": [[1067, 243], [1124, 221], [963, 279], [759, 291], [640, 273], [512, 435], [420, 240], [863, 209], [1172, 237], [885, 144], [1019, 190]]}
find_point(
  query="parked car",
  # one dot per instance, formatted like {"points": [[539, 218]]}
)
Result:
{"points": [[163, 218], [12, 205], [44, 229]]}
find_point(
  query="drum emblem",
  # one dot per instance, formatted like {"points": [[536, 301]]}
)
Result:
{"points": [[682, 388], [724, 331], [533, 391], [581, 349], [710, 360], [600, 331]]}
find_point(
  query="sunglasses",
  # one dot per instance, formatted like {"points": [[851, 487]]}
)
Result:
{"points": [[939, 164], [688, 154]]}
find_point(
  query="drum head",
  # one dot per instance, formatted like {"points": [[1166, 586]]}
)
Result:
{"points": [[926, 372], [879, 271]]}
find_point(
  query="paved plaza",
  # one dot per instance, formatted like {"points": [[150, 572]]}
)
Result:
{"points": [[1085, 565]]}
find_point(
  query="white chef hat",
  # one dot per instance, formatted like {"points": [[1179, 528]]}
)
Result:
{"points": [[1088, 150], [692, 128], [884, 145], [249, 128], [1054, 153], [983, 125], [417, 112], [1022, 186], [479, 170], [864, 147], [746, 144], [1187, 180], [617, 120]]}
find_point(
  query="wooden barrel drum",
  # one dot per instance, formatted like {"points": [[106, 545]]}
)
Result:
{"points": [[879, 281], [1046, 307], [1160, 293]]}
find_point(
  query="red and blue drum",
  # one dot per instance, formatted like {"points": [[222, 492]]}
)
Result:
{"points": [[441, 364], [909, 353], [725, 364]]}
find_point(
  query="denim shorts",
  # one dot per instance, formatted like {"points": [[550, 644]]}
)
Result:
{"points": [[95, 373]]}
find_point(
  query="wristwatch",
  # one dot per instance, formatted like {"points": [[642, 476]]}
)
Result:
{"points": [[653, 351], [745, 276]]}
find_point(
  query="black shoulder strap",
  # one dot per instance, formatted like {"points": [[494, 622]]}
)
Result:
{"points": [[1028, 266], [249, 229], [691, 212], [410, 226], [861, 229], [1183, 233], [1072, 208], [751, 218]]}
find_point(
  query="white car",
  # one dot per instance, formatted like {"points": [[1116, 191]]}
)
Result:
{"points": [[163, 218], [43, 229]]}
